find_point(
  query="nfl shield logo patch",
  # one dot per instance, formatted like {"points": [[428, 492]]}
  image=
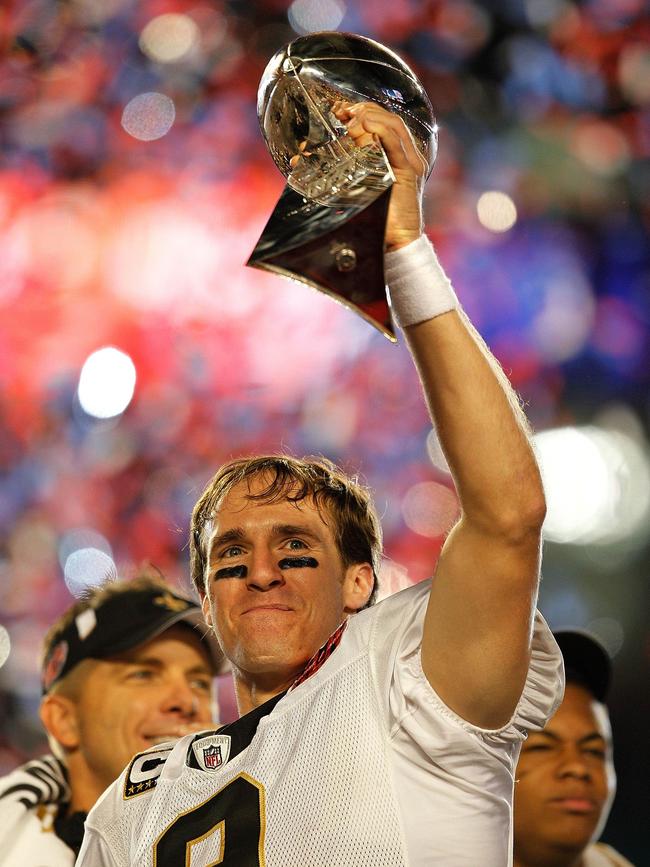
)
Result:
{"points": [[212, 757], [211, 751]]}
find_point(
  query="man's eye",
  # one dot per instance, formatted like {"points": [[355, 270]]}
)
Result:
{"points": [[141, 674], [233, 551], [594, 751], [296, 544], [536, 748], [202, 684]]}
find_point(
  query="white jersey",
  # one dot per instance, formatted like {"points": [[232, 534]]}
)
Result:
{"points": [[360, 765], [601, 855], [30, 798]]}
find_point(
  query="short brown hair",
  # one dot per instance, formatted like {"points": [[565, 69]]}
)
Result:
{"points": [[357, 530]]}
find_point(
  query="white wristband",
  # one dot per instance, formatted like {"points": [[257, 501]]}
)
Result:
{"points": [[419, 288]]}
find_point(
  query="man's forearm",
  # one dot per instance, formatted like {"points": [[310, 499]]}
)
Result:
{"points": [[482, 428]]}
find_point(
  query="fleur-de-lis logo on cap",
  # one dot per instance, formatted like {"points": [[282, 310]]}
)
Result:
{"points": [[173, 603]]}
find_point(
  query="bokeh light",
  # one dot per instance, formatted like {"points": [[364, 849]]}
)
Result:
{"points": [[308, 16], [634, 72], [430, 509], [106, 383], [435, 452], [82, 537], [601, 146], [496, 211], [169, 37], [87, 567], [149, 116], [597, 485]]}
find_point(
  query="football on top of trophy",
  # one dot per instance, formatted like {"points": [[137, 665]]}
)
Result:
{"points": [[308, 143]]}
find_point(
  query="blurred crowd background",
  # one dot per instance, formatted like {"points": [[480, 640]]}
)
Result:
{"points": [[137, 351]]}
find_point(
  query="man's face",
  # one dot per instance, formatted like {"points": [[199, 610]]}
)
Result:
{"points": [[276, 587], [155, 692], [565, 780]]}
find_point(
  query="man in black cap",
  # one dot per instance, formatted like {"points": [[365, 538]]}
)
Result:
{"points": [[127, 667], [565, 780]]}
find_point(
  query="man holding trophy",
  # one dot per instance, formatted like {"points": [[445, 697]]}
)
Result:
{"points": [[370, 735]]}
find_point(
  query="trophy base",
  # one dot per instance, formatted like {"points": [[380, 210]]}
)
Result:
{"points": [[339, 251]]}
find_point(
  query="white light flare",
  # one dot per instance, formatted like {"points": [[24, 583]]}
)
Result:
{"points": [[149, 116], [597, 485], [106, 383], [82, 537], [87, 567], [430, 509], [168, 38], [435, 452], [309, 16], [496, 211]]}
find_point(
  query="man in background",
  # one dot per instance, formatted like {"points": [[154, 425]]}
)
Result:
{"points": [[129, 666], [565, 781]]}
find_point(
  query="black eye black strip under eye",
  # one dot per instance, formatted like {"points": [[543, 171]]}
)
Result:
{"points": [[240, 571], [298, 563]]}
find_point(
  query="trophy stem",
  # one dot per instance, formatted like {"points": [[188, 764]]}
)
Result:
{"points": [[339, 251]]}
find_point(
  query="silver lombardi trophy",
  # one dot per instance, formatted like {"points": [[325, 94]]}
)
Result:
{"points": [[327, 229]]}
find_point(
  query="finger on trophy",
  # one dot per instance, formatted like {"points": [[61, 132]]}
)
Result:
{"points": [[364, 139], [391, 131], [302, 152], [341, 110]]}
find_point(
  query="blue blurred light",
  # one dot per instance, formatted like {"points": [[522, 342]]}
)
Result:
{"points": [[538, 77]]}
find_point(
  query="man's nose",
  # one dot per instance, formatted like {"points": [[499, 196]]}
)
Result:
{"points": [[264, 572], [573, 764], [180, 698]]}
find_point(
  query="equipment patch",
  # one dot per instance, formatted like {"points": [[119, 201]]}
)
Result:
{"points": [[144, 771], [212, 752]]}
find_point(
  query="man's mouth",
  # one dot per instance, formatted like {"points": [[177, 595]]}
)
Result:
{"points": [[269, 607], [581, 805]]}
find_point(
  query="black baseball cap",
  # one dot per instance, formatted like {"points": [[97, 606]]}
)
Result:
{"points": [[585, 661], [121, 621]]}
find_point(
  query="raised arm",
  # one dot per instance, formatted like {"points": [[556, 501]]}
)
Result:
{"points": [[476, 644]]}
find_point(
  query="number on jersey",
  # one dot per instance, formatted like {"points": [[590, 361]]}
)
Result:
{"points": [[226, 829]]}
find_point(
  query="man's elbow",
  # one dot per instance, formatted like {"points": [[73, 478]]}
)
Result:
{"points": [[521, 521]]}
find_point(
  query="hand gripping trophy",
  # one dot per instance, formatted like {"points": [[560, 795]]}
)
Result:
{"points": [[327, 229]]}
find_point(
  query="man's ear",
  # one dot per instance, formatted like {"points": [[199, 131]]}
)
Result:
{"points": [[59, 717], [205, 608], [357, 586]]}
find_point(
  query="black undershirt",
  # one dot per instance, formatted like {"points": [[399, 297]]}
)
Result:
{"points": [[70, 829]]}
